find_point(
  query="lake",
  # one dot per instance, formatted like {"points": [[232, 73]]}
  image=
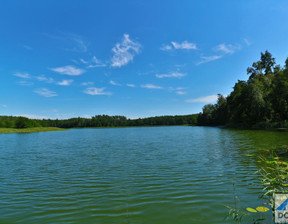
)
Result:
{"points": [[155, 175]]}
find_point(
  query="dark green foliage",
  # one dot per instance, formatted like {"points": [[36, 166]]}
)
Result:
{"points": [[266, 63], [23, 122], [97, 121], [260, 101], [7, 122]]}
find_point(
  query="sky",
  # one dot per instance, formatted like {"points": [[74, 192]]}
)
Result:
{"points": [[137, 58]]}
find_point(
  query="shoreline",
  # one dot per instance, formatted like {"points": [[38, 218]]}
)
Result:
{"points": [[47, 129], [30, 130]]}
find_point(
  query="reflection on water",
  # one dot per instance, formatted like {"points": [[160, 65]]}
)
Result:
{"points": [[129, 175]]}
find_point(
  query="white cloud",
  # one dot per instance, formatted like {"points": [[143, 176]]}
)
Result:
{"points": [[69, 70], [131, 85], [223, 49], [204, 99], [114, 83], [247, 42], [96, 91], [75, 61], [23, 75], [177, 90], [87, 83], [93, 63], [151, 86], [180, 92], [45, 92], [65, 82], [83, 61], [43, 78], [80, 45], [166, 48], [32, 116], [86, 116], [227, 48], [25, 83], [4, 106], [171, 75], [209, 58], [185, 45], [96, 63], [125, 51]]}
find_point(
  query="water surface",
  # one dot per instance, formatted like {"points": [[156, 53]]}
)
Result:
{"points": [[155, 175]]}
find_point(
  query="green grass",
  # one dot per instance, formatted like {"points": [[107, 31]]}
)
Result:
{"points": [[29, 130]]}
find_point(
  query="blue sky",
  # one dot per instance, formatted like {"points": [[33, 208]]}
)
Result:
{"points": [[62, 59]]}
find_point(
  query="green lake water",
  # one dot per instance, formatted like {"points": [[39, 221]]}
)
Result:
{"points": [[147, 175]]}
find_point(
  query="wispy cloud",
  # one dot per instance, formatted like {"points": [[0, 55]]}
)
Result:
{"points": [[151, 86], [204, 99], [171, 75], [222, 49], [93, 63], [96, 63], [25, 83], [209, 58], [32, 116], [86, 116], [69, 70], [45, 92], [87, 83], [180, 92], [96, 91], [185, 45], [227, 48], [247, 42], [65, 82], [113, 83], [80, 45], [125, 51], [76, 61], [83, 61], [72, 41], [131, 85], [4, 105], [177, 90], [23, 75], [166, 48], [27, 47], [43, 78]]}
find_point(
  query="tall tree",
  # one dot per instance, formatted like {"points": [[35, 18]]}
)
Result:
{"points": [[266, 63]]}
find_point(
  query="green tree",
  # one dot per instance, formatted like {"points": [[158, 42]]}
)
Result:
{"points": [[286, 63], [23, 122], [266, 63]]}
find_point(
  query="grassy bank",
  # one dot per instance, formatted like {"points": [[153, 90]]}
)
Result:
{"points": [[29, 130]]}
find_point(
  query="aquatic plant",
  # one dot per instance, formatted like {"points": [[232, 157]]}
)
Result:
{"points": [[273, 174]]}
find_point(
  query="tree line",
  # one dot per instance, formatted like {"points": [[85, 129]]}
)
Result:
{"points": [[97, 121], [259, 102]]}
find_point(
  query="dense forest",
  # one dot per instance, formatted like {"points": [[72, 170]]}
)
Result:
{"points": [[259, 102], [97, 121]]}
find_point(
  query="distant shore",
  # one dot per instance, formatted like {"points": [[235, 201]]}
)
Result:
{"points": [[46, 129], [29, 130]]}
